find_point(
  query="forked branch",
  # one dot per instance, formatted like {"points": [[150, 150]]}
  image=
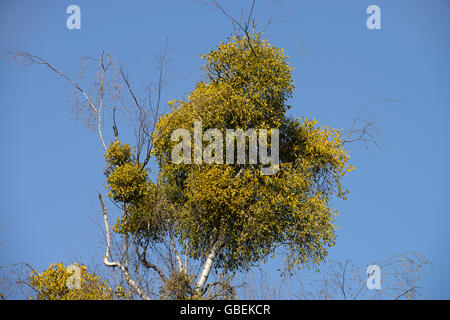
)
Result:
{"points": [[109, 263]]}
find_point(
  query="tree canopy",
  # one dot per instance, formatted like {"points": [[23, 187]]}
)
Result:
{"points": [[232, 209]]}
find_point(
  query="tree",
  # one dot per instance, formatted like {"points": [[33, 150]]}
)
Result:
{"points": [[230, 216]]}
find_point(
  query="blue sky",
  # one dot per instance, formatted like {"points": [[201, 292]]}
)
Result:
{"points": [[51, 165]]}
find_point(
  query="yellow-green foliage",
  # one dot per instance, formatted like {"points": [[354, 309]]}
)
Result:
{"points": [[146, 218], [145, 211], [245, 91], [51, 284], [253, 214], [127, 180], [128, 183], [117, 154]]}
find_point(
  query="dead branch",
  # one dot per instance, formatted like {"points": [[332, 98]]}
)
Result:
{"points": [[244, 27], [364, 128]]}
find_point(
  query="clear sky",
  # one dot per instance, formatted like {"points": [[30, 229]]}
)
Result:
{"points": [[51, 166]]}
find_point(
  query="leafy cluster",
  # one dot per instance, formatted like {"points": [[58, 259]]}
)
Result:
{"points": [[117, 154], [127, 180], [51, 284], [128, 183]]}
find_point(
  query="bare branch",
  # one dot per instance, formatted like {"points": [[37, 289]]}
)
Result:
{"points": [[363, 129], [239, 24], [113, 264], [148, 265], [25, 58], [413, 289]]}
